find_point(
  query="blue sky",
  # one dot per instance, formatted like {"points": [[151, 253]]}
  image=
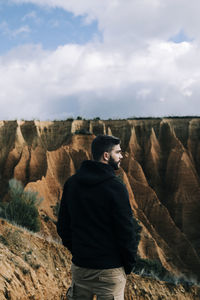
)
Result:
{"points": [[180, 37], [51, 27], [112, 59]]}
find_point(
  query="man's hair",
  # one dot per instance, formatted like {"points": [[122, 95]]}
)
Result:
{"points": [[103, 143]]}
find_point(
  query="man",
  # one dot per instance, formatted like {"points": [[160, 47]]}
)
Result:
{"points": [[95, 223]]}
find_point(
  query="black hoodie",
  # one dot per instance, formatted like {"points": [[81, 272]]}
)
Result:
{"points": [[95, 220]]}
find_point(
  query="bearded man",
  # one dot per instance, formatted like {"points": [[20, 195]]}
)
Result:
{"points": [[95, 223]]}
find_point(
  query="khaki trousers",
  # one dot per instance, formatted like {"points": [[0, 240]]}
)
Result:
{"points": [[106, 284]]}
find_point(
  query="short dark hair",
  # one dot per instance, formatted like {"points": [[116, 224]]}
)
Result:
{"points": [[103, 143]]}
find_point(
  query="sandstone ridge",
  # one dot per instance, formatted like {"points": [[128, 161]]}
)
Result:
{"points": [[161, 169]]}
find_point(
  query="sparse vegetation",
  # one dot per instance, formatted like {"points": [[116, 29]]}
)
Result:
{"points": [[155, 270], [180, 117], [46, 218], [55, 209], [25, 271], [152, 268], [83, 131], [22, 208], [144, 118], [3, 240], [138, 229]]}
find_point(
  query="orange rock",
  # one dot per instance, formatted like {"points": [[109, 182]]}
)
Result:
{"points": [[161, 169]]}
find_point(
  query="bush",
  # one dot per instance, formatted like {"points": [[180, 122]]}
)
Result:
{"points": [[22, 208], [138, 229], [148, 267], [83, 131], [56, 209]]}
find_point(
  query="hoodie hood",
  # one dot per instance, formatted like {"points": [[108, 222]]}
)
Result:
{"points": [[93, 172]]}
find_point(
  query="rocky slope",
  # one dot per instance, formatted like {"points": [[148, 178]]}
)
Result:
{"points": [[161, 169], [33, 267]]}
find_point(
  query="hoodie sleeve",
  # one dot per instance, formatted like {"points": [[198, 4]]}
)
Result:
{"points": [[123, 227], [63, 224]]}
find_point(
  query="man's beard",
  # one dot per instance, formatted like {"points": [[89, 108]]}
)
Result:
{"points": [[113, 163]]}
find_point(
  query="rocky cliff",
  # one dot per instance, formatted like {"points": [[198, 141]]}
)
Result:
{"points": [[161, 169]]}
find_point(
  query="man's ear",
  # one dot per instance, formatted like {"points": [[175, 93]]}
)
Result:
{"points": [[106, 156]]}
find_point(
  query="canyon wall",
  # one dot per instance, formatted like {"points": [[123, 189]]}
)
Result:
{"points": [[161, 168]]}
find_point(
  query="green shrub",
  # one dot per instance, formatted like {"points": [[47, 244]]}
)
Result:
{"points": [[138, 229], [56, 209], [22, 208], [83, 131], [148, 267]]}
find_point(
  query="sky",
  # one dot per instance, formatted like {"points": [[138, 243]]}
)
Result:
{"points": [[115, 59]]}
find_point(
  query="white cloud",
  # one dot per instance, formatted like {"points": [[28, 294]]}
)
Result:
{"points": [[44, 83], [135, 70], [30, 15], [5, 30], [21, 30], [162, 99], [134, 19], [143, 93]]}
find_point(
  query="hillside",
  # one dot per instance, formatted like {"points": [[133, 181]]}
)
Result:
{"points": [[161, 169], [33, 267]]}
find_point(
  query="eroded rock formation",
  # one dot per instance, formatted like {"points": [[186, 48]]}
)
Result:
{"points": [[161, 169]]}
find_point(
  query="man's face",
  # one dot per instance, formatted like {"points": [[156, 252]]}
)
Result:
{"points": [[115, 157]]}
